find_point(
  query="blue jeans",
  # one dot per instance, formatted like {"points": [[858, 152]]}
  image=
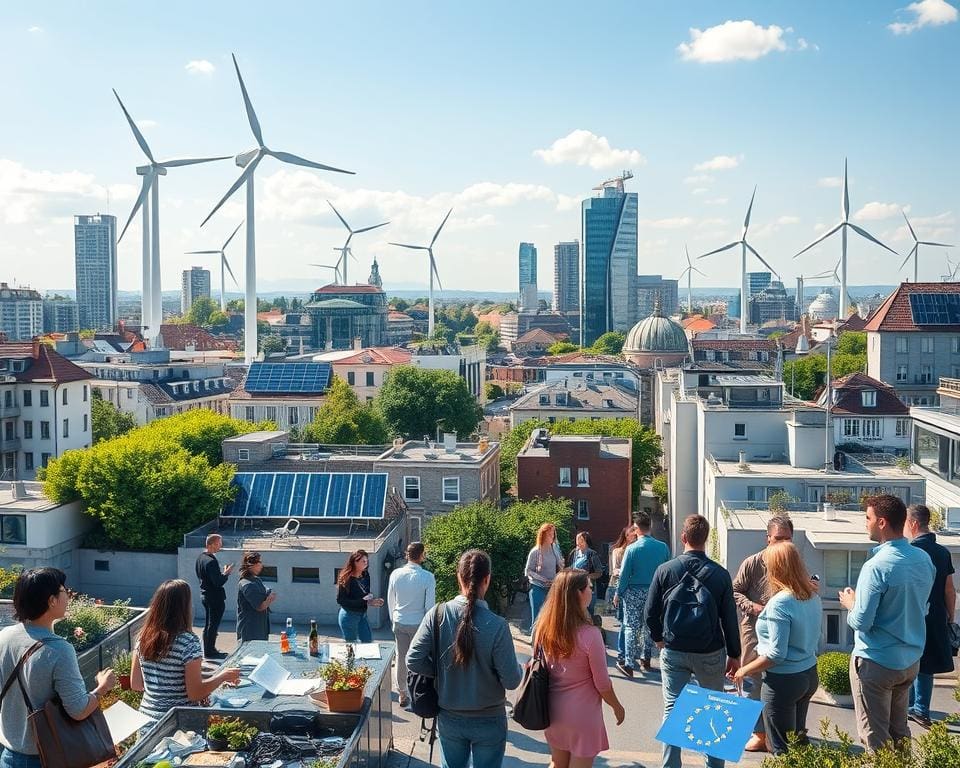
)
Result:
{"points": [[920, 694], [676, 669], [483, 738], [538, 596], [622, 632], [637, 642], [353, 626], [11, 759]]}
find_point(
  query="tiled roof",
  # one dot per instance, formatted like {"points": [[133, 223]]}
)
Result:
{"points": [[770, 345], [396, 317], [698, 325], [360, 288], [161, 393], [854, 323], [377, 356], [579, 397], [16, 349], [46, 364], [179, 337], [537, 335], [848, 398], [580, 357], [894, 313]]}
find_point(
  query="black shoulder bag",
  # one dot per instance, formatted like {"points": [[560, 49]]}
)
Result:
{"points": [[532, 708], [422, 689]]}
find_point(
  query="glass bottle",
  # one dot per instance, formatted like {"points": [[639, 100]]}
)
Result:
{"points": [[292, 635], [284, 643], [314, 638]]}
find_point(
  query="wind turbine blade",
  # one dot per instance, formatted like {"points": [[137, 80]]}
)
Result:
{"points": [[286, 157], [144, 191], [342, 220], [726, 247], [251, 115], [912, 233], [904, 262], [200, 253], [687, 251], [699, 272], [247, 173], [437, 233], [762, 260], [433, 265], [846, 193], [190, 161], [367, 229], [684, 273], [939, 245], [136, 131], [231, 236], [230, 271], [414, 247], [746, 219], [819, 239], [863, 233]]}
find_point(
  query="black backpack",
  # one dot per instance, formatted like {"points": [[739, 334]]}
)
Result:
{"points": [[689, 609], [422, 689]]}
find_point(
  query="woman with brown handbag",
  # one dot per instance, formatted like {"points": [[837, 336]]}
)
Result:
{"points": [[46, 670]]}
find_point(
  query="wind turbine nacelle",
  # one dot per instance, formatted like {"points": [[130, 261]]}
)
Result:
{"points": [[145, 170], [244, 158]]}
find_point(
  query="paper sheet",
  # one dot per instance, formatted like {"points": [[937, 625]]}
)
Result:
{"points": [[361, 651], [123, 721], [270, 675], [297, 686], [251, 661]]}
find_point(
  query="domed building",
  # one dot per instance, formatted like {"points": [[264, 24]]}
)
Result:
{"points": [[656, 338], [823, 307]]}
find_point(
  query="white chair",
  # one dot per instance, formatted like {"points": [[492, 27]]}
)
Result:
{"points": [[285, 532]]}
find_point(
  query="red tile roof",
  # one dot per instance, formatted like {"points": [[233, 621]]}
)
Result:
{"points": [[398, 316], [894, 313], [46, 364], [730, 345], [376, 356], [538, 335], [854, 323], [179, 337], [848, 398]]}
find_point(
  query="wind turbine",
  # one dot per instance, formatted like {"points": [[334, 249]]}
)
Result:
{"points": [[151, 304], [951, 271], [744, 247], [224, 264], [915, 251], [433, 267], [802, 280], [334, 267], [842, 227], [346, 246], [689, 273], [249, 161]]}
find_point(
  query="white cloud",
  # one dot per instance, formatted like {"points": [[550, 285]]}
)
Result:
{"points": [[674, 222], [716, 201], [567, 202], [876, 211], [732, 41], [772, 227], [719, 163], [830, 181], [581, 147], [35, 29], [698, 180], [146, 125], [200, 67], [488, 193], [939, 227], [714, 222], [926, 13], [785, 220], [699, 191]]}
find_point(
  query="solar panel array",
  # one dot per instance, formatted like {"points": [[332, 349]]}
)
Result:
{"points": [[305, 378], [935, 308], [328, 495]]}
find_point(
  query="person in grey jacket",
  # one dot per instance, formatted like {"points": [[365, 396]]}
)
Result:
{"points": [[477, 665]]}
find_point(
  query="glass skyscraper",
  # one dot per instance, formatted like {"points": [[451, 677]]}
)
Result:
{"points": [[566, 277], [528, 276], [95, 249], [608, 263]]}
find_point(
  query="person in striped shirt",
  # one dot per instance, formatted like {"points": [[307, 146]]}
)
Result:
{"points": [[167, 659]]}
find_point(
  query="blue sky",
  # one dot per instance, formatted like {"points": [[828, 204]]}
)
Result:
{"points": [[509, 112]]}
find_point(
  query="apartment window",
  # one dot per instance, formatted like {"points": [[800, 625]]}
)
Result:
{"points": [[64, 395], [268, 573], [8, 399], [872, 429], [955, 345], [739, 430], [583, 509], [27, 397], [411, 488], [249, 411], [270, 413], [66, 427], [44, 398], [351, 378], [44, 459], [293, 415], [85, 393], [926, 374], [369, 378], [851, 427], [28, 430], [86, 422], [544, 399], [243, 454], [583, 476], [129, 393], [902, 373], [28, 461], [8, 430], [869, 398], [762, 492], [833, 627], [44, 430], [903, 428], [901, 345], [711, 355], [564, 477], [926, 345], [451, 490], [101, 565], [305, 575]]}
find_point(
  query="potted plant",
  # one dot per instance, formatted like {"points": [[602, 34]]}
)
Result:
{"points": [[122, 662], [833, 669], [229, 733], [344, 682]]}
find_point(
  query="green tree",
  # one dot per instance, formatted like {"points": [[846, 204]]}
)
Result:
{"points": [[610, 343], [561, 348], [296, 305], [200, 432], [492, 391], [343, 420], [506, 535], [852, 343], [660, 487], [443, 333], [200, 311], [107, 420], [218, 319], [483, 328], [400, 305], [413, 400], [272, 344], [235, 305], [803, 376]]}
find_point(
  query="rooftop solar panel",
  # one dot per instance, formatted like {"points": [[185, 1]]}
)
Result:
{"points": [[305, 495], [297, 378], [935, 308]]}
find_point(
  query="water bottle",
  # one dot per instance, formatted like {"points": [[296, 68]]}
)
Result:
{"points": [[292, 635]]}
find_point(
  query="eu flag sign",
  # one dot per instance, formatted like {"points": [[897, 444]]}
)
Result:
{"points": [[715, 723]]}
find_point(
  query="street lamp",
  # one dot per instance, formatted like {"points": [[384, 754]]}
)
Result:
{"points": [[827, 458]]}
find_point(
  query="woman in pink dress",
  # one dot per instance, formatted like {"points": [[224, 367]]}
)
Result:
{"points": [[577, 659]]}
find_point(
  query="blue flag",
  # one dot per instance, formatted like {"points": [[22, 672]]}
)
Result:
{"points": [[713, 722]]}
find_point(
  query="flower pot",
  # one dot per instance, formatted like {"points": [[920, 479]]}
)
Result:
{"points": [[124, 681], [345, 701], [217, 745]]}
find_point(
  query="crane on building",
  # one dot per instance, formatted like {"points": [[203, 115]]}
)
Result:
{"points": [[616, 181]]}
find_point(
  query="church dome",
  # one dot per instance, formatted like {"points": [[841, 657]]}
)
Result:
{"points": [[657, 334], [823, 307]]}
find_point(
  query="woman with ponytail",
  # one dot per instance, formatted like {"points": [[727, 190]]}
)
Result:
{"points": [[477, 665]]}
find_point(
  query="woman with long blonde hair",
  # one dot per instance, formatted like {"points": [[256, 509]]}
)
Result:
{"points": [[544, 562], [574, 650], [788, 633]]}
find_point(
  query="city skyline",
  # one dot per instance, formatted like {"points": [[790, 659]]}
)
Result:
{"points": [[674, 119]]}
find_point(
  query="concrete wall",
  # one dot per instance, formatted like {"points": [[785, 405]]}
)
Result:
{"points": [[685, 470], [883, 361], [134, 575]]}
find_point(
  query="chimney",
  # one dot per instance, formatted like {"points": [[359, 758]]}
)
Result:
{"points": [[36, 348], [357, 344]]}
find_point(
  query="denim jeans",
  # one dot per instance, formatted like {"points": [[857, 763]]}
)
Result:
{"points": [[920, 694], [538, 596], [637, 642], [622, 632], [676, 669], [353, 626], [483, 738], [11, 759]]}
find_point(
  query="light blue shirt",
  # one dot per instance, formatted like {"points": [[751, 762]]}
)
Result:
{"points": [[411, 593], [640, 561], [892, 595], [788, 632]]}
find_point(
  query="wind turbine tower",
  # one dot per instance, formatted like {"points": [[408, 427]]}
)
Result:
{"points": [[915, 251], [345, 250], [224, 264], [688, 272], [433, 268]]}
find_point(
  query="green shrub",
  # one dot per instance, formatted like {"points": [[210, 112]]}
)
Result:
{"points": [[87, 621], [834, 671], [8, 580]]}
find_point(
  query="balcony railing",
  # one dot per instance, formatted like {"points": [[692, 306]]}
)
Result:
{"points": [[789, 506]]}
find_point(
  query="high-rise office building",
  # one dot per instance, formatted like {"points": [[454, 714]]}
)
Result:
{"points": [[528, 276], [195, 284], [21, 313], [772, 303], [566, 277], [652, 287], [758, 281], [60, 315], [608, 262], [95, 248]]}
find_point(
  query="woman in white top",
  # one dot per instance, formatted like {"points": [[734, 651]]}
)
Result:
{"points": [[627, 536], [543, 564]]}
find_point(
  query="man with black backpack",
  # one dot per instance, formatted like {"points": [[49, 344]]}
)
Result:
{"points": [[692, 617]]}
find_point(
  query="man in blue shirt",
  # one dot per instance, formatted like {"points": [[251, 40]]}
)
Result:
{"points": [[887, 613]]}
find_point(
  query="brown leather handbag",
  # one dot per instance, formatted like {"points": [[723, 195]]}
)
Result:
{"points": [[62, 741]]}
